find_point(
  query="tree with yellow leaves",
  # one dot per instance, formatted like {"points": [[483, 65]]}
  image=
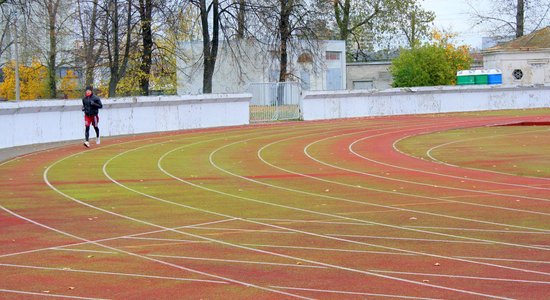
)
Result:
{"points": [[434, 63], [458, 56], [69, 85], [32, 79]]}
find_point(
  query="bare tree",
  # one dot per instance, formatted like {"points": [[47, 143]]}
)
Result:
{"points": [[49, 15], [118, 40], [210, 42], [349, 23], [284, 26], [520, 18], [146, 21], [89, 21], [510, 17], [364, 24], [241, 18], [7, 19], [286, 7], [414, 23], [52, 7]]}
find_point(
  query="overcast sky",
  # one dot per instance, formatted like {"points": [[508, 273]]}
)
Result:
{"points": [[453, 15]]}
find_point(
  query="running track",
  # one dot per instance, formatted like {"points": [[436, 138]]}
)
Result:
{"points": [[309, 210]]}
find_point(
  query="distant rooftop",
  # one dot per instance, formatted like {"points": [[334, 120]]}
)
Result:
{"points": [[536, 40]]}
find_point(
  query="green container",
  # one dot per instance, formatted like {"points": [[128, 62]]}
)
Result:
{"points": [[481, 77], [465, 77]]}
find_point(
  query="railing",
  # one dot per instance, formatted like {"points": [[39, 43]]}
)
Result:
{"points": [[274, 101]]}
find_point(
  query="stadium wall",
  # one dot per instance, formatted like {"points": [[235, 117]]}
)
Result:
{"points": [[34, 122], [349, 104]]}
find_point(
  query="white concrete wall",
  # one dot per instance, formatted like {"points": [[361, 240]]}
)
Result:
{"points": [[421, 100], [33, 122]]}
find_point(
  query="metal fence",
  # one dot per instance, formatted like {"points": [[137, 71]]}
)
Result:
{"points": [[273, 101]]}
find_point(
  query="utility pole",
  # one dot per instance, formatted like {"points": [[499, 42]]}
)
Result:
{"points": [[17, 89]]}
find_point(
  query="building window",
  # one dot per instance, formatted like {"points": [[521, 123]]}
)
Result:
{"points": [[331, 55], [518, 74]]}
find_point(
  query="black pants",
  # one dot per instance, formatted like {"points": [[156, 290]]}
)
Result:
{"points": [[87, 133]]}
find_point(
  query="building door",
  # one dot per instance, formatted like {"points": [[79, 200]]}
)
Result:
{"points": [[538, 73], [334, 79]]}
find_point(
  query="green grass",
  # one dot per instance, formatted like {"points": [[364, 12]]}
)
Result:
{"points": [[519, 150]]}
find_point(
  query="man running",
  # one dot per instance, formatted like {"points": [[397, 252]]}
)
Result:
{"points": [[90, 106]]}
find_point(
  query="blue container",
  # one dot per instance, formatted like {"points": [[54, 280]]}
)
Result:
{"points": [[494, 76]]}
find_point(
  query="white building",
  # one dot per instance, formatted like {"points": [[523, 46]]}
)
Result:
{"points": [[246, 62], [524, 61], [369, 76]]}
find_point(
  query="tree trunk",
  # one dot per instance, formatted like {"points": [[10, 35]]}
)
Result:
{"points": [[210, 47], [52, 7], [118, 64], [520, 18], [284, 32], [241, 20], [342, 13], [51, 64], [146, 13], [412, 38], [90, 57]]}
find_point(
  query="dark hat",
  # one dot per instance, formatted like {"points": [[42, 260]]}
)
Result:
{"points": [[89, 88]]}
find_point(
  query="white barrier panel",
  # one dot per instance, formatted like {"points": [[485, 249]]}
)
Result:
{"points": [[421, 100], [33, 122]]}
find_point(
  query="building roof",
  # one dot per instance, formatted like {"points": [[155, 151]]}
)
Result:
{"points": [[537, 40]]}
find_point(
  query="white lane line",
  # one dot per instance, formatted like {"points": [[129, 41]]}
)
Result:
{"points": [[507, 259], [310, 221], [485, 192], [123, 251], [247, 230], [439, 287], [47, 295], [45, 176], [323, 214], [425, 184], [479, 230], [351, 293], [420, 227], [61, 247], [165, 240], [376, 205], [82, 250], [463, 277], [331, 249], [113, 273], [428, 153], [345, 200], [354, 186], [540, 186], [409, 239], [159, 162], [238, 261], [396, 253]]}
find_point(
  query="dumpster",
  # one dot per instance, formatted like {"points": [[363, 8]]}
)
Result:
{"points": [[494, 76], [465, 77]]}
